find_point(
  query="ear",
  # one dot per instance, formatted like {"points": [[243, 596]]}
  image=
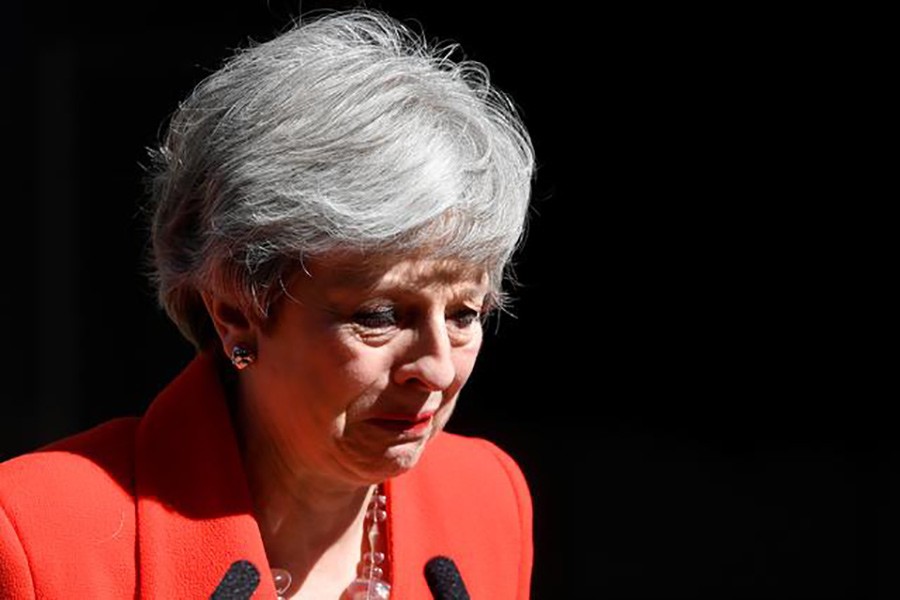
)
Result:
{"points": [[231, 323]]}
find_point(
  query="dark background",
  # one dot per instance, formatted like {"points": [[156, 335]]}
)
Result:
{"points": [[691, 380]]}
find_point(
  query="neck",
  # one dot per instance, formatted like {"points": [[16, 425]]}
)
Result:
{"points": [[310, 526], [300, 515]]}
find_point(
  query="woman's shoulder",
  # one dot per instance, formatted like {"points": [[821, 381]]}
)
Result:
{"points": [[66, 515], [473, 455], [106, 450], [74, 476], [471, 463]]}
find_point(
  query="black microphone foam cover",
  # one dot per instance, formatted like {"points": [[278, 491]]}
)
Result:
{"points": [[239, 583], [444, 579]]}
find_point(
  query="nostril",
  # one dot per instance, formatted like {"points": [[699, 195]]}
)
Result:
{"points": [[429, 373]]}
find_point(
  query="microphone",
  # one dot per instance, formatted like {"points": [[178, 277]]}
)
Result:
{"points": [[239, 583], [444, 579]]}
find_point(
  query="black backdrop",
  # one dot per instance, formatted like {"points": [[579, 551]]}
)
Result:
{"points": [[688, 382]]}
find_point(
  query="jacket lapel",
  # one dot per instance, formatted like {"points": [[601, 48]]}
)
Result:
{"points": [[194, 512]]}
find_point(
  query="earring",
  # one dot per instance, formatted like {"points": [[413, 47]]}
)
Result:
{"points": [[242, 357]]}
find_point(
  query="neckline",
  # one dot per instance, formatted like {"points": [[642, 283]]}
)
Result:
{"points": [[373, 570]]}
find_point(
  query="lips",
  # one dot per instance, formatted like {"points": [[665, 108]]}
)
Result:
{"points": [[403, 423]]}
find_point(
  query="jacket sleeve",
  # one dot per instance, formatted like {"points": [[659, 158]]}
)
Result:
{"points": [[15, 573], [525, 516]]}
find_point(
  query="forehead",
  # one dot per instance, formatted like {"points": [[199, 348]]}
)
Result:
{"points": [[355, 273]]}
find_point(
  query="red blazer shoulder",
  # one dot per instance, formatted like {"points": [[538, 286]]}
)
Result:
{"points": [[67, 515]]}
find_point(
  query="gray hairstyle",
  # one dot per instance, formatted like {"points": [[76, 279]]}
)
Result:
{"points": [[346, 132]]}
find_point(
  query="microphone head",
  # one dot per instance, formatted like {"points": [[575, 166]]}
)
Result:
{"points": [[444, 579], [239, 582]]}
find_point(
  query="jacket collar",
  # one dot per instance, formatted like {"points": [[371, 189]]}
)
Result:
{"points": [[194, 511]]}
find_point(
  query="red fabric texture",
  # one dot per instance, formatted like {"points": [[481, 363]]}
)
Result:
{"points": [[158, 507]]}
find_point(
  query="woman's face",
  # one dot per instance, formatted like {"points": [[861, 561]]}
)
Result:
{"points": [[360, 366]]}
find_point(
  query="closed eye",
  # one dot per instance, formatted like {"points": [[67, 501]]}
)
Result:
{"points": [[466, 317], [384, 317], [376, 318]]}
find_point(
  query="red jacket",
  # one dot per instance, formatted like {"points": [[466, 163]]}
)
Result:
{"points": [[158, 507]]}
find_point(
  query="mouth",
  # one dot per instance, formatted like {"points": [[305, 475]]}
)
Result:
{"points": [[411, 425]]}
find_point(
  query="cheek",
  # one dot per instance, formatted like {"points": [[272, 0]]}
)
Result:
{"points": [[464, 361], [351, 380], [314, 380], [365, 366], [464, 367]]}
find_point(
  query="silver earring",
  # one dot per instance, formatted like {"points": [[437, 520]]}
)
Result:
{"points": [[242, 357]]}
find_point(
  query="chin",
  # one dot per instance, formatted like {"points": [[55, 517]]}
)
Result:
{"points": [[396, 460], [405, 456], [377, 458]]}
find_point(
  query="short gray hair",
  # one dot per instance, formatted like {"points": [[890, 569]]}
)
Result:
{"points": [[345, 132]]}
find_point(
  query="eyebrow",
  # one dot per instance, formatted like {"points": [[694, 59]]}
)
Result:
{"points": [[462, 290], [365, 279], [357, 282]]}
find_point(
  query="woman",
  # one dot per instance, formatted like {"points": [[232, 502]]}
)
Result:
{"points": [[333, 215]]}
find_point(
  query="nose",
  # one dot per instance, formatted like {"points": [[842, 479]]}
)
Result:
{"points": [[428, 361]]}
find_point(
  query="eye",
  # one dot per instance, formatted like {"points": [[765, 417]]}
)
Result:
{"points": [[466, 317], [379, 317]]}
